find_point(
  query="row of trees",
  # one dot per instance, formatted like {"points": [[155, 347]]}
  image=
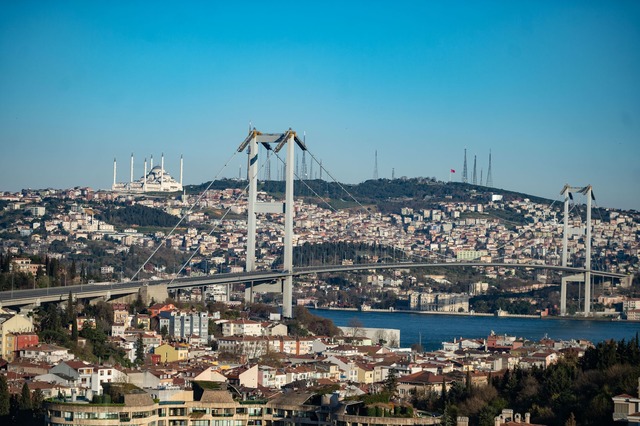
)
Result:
{"points": [[25, 408]]}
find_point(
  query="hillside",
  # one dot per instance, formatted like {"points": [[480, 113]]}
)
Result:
{"points": [[388, 195]]}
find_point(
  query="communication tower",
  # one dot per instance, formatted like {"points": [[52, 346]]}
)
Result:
{"points": [[489, 177], [464, 168], [304, 166], [375, 166], [475, 176], [267, 167]]}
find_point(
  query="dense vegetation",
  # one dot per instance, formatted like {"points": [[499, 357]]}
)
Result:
{"points": [[137, 214], [389, 195], [25, 408], [574, 388], [56, 322], [305, 322]]}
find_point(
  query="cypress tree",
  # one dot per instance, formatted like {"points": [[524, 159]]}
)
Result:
{"points": [[74, 330], [139, 350], [25, 398], [37, 403], [4, 396], [70, 312]]}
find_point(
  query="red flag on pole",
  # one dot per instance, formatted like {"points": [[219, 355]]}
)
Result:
{"points": [[453, 171]]}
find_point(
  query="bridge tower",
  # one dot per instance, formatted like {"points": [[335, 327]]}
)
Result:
{"points": [[567, 193], [288, 139]]}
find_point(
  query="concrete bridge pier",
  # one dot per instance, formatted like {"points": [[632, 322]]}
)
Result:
{"points": [[157, 292], [274, 287], [563, 290], [576, 278]]}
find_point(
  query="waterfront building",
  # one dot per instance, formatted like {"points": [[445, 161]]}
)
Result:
{"points": [[439, 302]]}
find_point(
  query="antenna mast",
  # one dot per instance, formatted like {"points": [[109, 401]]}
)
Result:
{"points": [[375, 166], [267, 167], [489, 177], [475, 176], [464, 168]]}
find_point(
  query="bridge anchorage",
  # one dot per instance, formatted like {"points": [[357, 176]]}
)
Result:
{"points": [[275, 142]]}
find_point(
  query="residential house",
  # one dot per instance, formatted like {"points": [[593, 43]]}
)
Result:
{"points": [[242, 327], [626, 408], [45, 352], [171, 353], [10, 324]]}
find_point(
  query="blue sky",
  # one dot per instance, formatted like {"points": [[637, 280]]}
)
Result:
{"points": [[551, 88]]}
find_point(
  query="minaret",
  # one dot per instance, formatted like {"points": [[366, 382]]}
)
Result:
{"points": [[114, 173], [181, 168], [161, 170], [151, 164], [144, 177], [131, 171]]}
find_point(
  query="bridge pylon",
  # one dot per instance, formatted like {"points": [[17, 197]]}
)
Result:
{"points": [[269, 140], [567, 193]]}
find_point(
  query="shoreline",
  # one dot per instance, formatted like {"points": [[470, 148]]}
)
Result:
{"points": [[468, 314]]}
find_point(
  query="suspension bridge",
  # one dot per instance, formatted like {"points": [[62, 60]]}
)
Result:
{"points": [[281, 280]]}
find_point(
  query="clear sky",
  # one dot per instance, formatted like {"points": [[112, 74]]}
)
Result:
{"points": [[552, 88]]}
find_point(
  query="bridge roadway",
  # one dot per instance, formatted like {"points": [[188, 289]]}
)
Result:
{"points": [[110, 290]]}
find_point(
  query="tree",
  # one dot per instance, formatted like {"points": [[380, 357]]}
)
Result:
{"points": [[355, 327], [380, 337], [391, 383], [72, 270], [71, 309], [74, 330], [164, 331], [4, 396], [139, 350], [25, 398], [417, 347], [37, 403], [571, 421]]}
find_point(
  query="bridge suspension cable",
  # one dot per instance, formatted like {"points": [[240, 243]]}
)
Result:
{"points": [[188, 212], [215, 227]]}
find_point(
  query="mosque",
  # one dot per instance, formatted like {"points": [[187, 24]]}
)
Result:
{"points": [[155, 180]]}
